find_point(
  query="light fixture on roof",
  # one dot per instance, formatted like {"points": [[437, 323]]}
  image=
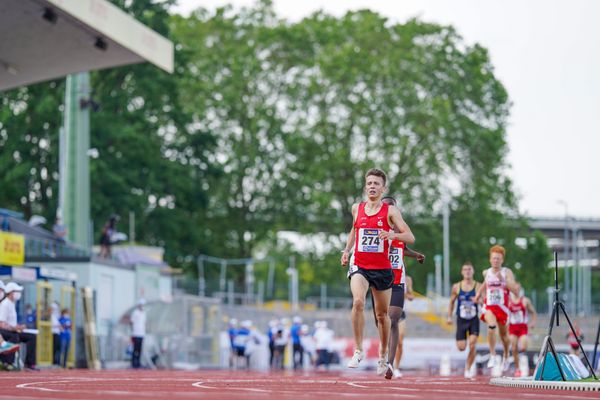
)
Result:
{"points": [[11, 69], [101, 44], [49, 15]]}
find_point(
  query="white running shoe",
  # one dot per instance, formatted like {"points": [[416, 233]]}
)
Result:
{"points": [[397, 373], [491, 361], [382, 365], [356, 359], [469, 373], [505, 364]]}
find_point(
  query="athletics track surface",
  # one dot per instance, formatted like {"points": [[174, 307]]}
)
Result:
{"points": [[204, 384]]}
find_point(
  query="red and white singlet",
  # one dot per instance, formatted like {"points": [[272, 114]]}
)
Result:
{"points": [[496, 297], [397, 261], [518, 312], [370, 251]]}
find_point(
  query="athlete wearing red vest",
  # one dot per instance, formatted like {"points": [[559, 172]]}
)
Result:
{"points": [[520, 307], [498, 280], [396, 312], [370, 236]]}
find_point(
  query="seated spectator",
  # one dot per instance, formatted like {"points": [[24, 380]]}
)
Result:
{"points": [[6, 347], [60, 230], [12, 331]]}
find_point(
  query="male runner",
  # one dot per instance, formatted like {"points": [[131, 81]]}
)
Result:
{"points": [[409, 295], [498, 281], [370, 235], [396, 311], [519, 306], [467, 321]]}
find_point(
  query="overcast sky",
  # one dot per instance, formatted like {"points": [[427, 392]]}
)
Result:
{"points": [[547, 54]]}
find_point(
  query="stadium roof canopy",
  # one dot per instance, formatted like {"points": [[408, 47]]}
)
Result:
{"points": [[47, 39]]}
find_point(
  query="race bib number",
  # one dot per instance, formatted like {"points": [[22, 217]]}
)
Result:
{"points": [[467, 310], [495, 297], [369, 241], [396, 256], [517, 317]]}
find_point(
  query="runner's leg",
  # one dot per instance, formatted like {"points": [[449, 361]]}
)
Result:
{"points": [[382, 304], [358, 287]]}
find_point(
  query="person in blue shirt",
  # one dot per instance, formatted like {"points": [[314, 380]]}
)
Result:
{"points": [[239, 343], [30, 317], [65, 336], [296, 332]]}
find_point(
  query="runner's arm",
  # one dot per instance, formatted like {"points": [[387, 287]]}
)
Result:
{"points": [[511, 283], [414, 254], [350, 241], [410, 295], [405, 234], [532, 311], [482, 287], [453, 296]]}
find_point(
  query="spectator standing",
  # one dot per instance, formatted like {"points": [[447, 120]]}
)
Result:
{"points": [[60, 230], [65, 336], [323, 344], [298, 349], [55, 326], [138, 331], [30, 317], [109, 229]]}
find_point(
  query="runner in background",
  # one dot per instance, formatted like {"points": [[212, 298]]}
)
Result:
{"points": [[409, 295], [498, 281], [520, 307], [467, 321]]}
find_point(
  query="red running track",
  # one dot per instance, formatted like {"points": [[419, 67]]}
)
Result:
{"points": [[127, 384]]}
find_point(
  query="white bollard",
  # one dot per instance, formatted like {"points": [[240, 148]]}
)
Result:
{"points": [[524, 365], [445, 365]]}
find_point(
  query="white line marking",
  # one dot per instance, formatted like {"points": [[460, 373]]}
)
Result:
{"points": [[357, 385], [202, 386]]}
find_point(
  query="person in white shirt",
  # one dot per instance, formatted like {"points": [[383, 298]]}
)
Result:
{"points": [[6, 347], [54, 316], [138, 331], [323, 343], [11, 330]]}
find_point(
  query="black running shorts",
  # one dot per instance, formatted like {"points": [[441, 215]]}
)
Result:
{"points": [[379, 279], [464, 326], [397, 295]]}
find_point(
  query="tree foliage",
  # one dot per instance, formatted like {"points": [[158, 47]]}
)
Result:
{"points": [[268, 126]]}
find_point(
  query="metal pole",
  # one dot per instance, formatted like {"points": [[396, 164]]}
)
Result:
{"points": [[574, 270], [323, 295], [446, 259], [131, 227], [201, 280], [271, 278], [580, 284], [437, 259], [568, 293], [223, 276], [249, 282], [260, 296], [230, 293], [293, 283]]}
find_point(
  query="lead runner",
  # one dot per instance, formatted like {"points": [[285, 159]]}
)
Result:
{"points": [[370, 235]]}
